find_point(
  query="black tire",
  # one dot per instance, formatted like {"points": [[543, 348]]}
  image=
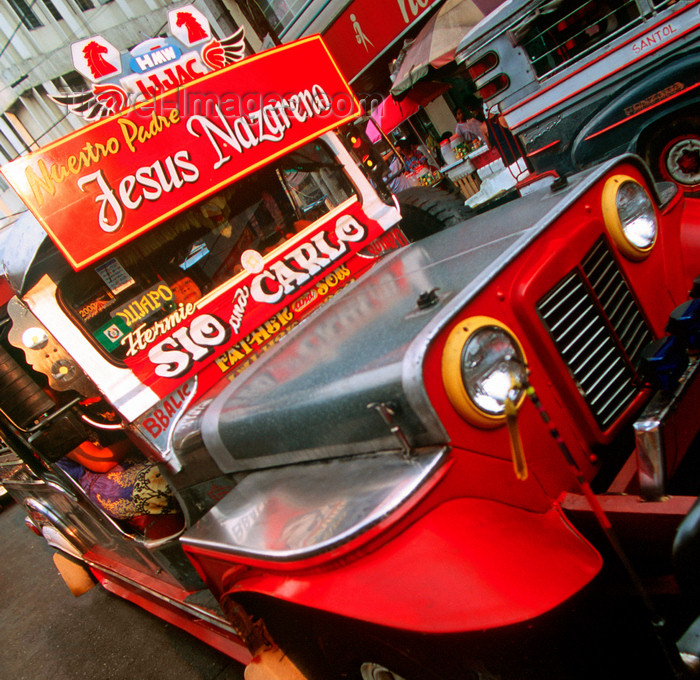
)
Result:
{"points": [[428, 210], [673, 154], [325, 646], [374, 654], [21, 399]]}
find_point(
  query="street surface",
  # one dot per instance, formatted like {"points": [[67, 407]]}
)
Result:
{"points": [[48, 633]]}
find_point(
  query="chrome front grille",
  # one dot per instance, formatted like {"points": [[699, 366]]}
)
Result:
{"points": [[599, 331]]}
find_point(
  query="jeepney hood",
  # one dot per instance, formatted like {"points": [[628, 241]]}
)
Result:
{"points": [[314, 396]]}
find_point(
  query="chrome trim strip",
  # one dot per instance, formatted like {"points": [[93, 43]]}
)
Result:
{"points": [[77, 494], [183, 606], [651, 459], [651, 437]]}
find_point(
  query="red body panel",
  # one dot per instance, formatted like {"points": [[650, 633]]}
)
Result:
{"points": [[512, 299], [482, 549], [461, 567], [688, 247]]}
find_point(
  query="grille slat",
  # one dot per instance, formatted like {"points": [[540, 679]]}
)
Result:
{"points": [[637, 344], [615, 301], [599, 330], [630, 330], [602, 282], [624, 394], [587, 357], [572, 311], [593, 372], [624, 321], [574, 342], [605, 381], [568, 296]]}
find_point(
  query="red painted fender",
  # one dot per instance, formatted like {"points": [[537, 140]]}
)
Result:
{"points": [[689, 246], [470, 564]]}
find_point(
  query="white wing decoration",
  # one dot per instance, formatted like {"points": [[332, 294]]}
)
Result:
{"points": [[100, 102]]}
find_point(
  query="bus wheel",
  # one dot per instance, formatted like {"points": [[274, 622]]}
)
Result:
{"points": [[427, 210], [679, 158]]}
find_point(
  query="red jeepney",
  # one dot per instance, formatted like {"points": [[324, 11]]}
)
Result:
{"points": [[239, 397]]}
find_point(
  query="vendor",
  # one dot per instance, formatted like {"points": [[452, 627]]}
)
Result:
{"points": [[409, 158], [470, 128], [412, 157]]}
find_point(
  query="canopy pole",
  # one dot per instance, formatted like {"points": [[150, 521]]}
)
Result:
{"points": [[425, 144]]}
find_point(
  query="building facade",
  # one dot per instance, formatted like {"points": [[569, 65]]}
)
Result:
{"points": [[35, 61], [365, 37]]}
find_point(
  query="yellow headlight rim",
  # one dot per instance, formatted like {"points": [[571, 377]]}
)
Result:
{"points": [[452, 370], [613, 224]]}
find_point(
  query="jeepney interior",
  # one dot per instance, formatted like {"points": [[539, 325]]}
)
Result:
{"points": [[78, 438], [200, 249]]}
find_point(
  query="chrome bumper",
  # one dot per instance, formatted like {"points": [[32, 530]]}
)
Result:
{"points": [[662, 430]]}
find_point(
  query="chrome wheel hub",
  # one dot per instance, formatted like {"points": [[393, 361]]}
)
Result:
{"points": [[374, 671], [683, 161]]}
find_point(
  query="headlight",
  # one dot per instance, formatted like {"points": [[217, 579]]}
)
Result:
{"points": [[483, 364], [629, 216]]}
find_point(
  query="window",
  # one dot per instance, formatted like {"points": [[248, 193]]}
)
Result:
{"points": [[74, 80], [281, 13], [69, 82], [7, 149], [198, 250], [84, 4], [558, 32], [485, 64], [25, 13], [52, 10]]}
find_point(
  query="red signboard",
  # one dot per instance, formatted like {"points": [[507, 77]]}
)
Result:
{"points": [[366, 28], [230, 327], [104, 184]]}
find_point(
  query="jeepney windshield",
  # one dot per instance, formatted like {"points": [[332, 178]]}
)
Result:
{"points": [[556, 32], [200, 249]]}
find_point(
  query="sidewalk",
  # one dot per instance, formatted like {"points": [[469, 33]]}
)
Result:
{"points": [[48, 633]]}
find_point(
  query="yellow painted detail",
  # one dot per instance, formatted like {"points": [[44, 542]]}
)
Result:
{"points": [[452, 372], [612, 221]]}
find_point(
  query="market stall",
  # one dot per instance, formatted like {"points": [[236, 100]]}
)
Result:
{"points": [[448, 159]]}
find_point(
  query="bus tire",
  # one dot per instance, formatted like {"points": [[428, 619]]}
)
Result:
{"points": [[427, 210]]}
